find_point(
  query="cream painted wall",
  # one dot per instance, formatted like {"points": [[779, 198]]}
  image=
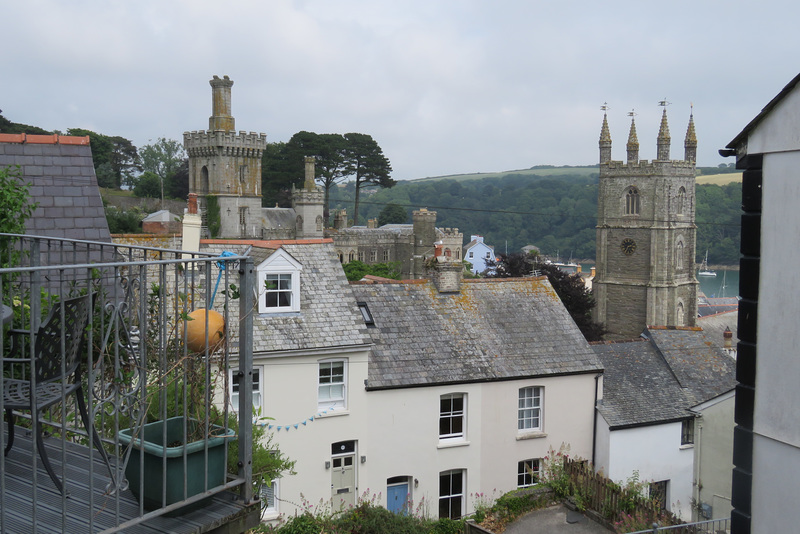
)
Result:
{"points": [[397, 431], [713, 455]]}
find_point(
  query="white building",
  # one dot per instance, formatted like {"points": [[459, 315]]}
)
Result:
{"points": [[766, 454], [646, 425], [417, 396], [477, 252]]}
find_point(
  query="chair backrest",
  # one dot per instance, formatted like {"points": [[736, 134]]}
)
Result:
{"points": [[48, 338]]}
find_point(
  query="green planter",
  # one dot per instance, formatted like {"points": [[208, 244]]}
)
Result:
{"points": [[197, 464]]}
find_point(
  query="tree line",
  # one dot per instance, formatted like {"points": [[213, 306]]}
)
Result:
{"points": [[557, 214]]}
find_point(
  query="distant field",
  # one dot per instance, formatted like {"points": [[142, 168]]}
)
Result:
{"points": [[554, 171], [719, 179]]}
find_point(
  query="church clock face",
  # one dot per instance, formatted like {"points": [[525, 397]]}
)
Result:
{"points": [[628, 246]]}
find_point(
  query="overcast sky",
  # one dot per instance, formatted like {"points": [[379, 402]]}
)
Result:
{"points": [[444, 87]]}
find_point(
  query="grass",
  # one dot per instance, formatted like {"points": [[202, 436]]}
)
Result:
{"points": [[538, 171], [719, 179]]}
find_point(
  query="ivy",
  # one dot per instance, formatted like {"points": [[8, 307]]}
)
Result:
{"points": [[213, 216]]}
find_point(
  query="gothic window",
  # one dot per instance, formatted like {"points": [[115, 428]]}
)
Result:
{"points": [[319, 223], [632, 204], [458, 253], [243, 173], [679, 256], [204, 180], [351, 256], [341, 256], [681, 201], [680, 315], [298, 223]]}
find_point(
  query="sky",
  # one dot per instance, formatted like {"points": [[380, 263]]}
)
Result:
{"points": [[444, 87]]}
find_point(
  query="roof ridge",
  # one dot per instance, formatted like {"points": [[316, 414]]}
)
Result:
{"points": [[52, 139]]}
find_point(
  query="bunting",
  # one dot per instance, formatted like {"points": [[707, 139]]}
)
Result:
{"points": [[296, 426]]}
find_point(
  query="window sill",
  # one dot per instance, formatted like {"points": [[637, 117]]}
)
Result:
{"points": [[330, 413], [447, 444], [280, 313], [687, 446], [531, 435]]}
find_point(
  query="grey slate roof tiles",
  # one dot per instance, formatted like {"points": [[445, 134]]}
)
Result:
{"points": [[62, 181], [659, 379], [328, 317], [490, 330]]}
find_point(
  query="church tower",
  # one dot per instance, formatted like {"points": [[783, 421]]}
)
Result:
{"points": [[225, 170], [646, 235]]}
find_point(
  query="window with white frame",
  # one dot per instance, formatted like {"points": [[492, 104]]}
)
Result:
{"points": [[527, 473], [279, 283], [529, 409], [235, 384], [451, 494], [269, 498], [332, 387], [452, 409]]}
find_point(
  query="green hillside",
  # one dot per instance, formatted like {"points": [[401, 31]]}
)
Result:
{"points": [[538, 170], [555, 212]]}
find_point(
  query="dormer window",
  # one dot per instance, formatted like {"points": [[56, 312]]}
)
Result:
{"points": [[279, 283]]}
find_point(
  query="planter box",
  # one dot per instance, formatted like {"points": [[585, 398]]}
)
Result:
{"points": [[197, 464]]}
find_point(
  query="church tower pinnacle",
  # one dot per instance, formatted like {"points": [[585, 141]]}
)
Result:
{"points": [[633, 141], [663, 135], [605, 137], [690, 143]]}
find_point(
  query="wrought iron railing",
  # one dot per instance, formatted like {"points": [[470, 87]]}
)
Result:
{"points": [[165, 334], [713, 526]]}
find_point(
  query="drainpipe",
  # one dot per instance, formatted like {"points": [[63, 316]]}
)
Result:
{"points": [[594, 420]]}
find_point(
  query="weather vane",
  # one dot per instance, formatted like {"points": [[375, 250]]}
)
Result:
{"points": [[632, 113], [604, 107], [664, 103]]}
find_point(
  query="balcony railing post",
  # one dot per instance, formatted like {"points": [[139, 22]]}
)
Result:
{"points": [[246, 306]]}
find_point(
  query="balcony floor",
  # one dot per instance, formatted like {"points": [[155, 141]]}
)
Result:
{"points": [[88, 508]]}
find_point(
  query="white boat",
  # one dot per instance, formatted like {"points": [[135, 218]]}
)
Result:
{"points": [[704, 270]]}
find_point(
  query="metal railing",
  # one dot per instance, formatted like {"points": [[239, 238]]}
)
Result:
{"points": [[166, 335], [712, 526]]}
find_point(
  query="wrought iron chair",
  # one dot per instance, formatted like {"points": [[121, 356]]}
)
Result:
{"points": [[51, 381]]}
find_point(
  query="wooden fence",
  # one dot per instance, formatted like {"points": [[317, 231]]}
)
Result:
{"points": [[598, 493]]}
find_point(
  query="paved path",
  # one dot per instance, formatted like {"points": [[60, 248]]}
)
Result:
{"points": [[553, 520]]}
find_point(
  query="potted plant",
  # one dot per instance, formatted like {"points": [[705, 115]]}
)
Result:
{"points": [[184, 435]]}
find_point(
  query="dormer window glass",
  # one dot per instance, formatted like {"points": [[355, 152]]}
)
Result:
{"points": [[366, 314], [279, 284]]}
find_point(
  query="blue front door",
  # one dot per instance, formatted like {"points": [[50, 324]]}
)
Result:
{"points": [[397, 498]]}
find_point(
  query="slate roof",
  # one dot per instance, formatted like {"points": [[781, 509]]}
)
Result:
{"points": [[700, 367], [656, 380], [638, 386], [328, 317], [490, 330], [715, 325], [61, 175]]}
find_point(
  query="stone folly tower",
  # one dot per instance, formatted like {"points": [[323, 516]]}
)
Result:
{"points": [[308, 204], [225, 170], [646, 235]]}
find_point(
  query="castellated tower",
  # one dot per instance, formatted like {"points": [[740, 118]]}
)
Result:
{"points": [[308, 204], [225, 170], [646, 236]]}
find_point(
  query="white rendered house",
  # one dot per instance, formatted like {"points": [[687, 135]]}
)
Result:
{"points": [[423, 397]]}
